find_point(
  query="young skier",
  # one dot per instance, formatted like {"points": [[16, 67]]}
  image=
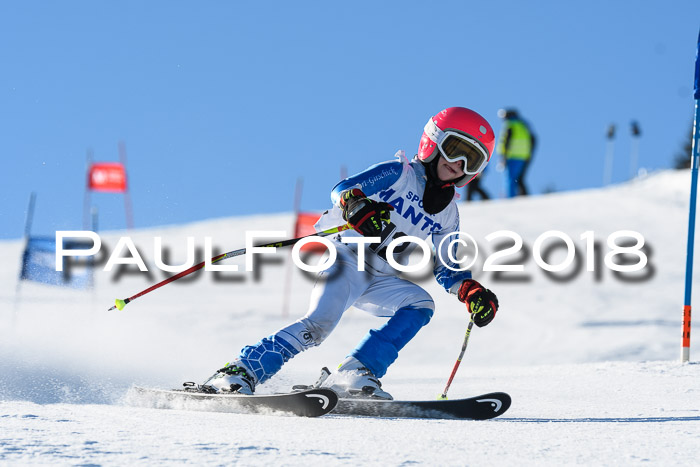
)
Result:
{"points": [[388, 200]]}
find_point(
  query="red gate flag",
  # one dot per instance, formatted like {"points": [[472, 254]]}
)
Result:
{"points": [[305, 226], [107, 176]]}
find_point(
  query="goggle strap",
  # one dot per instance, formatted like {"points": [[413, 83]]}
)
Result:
{"points": [[435, 134]]}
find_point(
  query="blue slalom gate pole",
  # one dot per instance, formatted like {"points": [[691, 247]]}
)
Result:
{"points": [[694, 156]]}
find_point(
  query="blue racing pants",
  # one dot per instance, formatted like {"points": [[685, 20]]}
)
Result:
{"points": [[407, 306]]}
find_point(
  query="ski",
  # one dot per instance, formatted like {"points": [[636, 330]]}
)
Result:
{"points": [[308, 403], [481, 407]]}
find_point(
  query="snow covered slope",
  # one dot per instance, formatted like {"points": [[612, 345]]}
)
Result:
{"points": [[589, 357]]}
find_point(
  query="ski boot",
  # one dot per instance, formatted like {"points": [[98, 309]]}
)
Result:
{"points": [[234, 377], [354, 380]]}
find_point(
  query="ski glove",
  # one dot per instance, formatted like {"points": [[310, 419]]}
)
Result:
{"points": [[363, 214], [481, 302]]}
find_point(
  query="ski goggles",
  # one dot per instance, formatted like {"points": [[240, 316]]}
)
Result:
{"points": [[458, 147]]}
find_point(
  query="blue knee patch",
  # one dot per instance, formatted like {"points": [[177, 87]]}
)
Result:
{"points": [[380, 347]]}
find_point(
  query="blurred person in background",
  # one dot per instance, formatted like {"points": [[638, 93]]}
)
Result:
{"points": [[516, 145], [475, 187]]}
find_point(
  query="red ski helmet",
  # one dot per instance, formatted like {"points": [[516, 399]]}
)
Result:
{"points": [[458, 133]]}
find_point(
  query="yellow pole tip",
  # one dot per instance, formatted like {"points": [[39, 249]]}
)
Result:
{"points": [[120, 304]]}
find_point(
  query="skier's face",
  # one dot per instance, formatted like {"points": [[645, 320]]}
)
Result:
{"points": [[447, 170]]}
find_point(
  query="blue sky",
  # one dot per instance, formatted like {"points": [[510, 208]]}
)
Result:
{"points": [[224, 105]]}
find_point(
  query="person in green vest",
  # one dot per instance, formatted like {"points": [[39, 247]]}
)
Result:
{"points": [[516, 144]]}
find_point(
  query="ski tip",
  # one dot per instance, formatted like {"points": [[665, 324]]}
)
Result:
{"points": [[119, 304]]}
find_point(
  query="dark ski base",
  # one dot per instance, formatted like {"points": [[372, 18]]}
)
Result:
{"points": [[310, 403], [474, 408]]}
